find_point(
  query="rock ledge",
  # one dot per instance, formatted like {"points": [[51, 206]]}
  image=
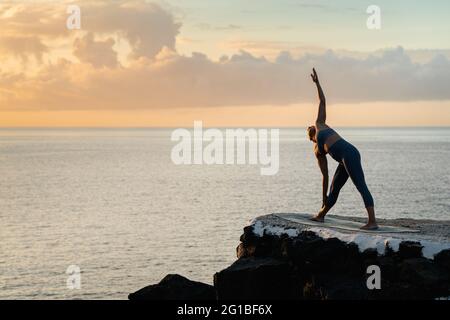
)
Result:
{"points": [[281, 259]]}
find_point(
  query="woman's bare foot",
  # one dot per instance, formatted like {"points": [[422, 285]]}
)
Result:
{"points": [[370, 226], [371, 222], [317, 218]]}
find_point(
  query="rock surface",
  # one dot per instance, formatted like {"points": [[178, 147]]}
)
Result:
{"points": [[280, 259], [330, 264], [255, 278], [175, 287]]}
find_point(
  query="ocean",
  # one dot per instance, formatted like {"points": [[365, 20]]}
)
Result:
{"points": [[112, 203]]}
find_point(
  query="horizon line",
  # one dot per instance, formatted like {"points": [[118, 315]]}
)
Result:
{"points": [[218, 127]]}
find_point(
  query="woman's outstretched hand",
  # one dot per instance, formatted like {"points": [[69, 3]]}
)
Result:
{"points": [[314, 76]]}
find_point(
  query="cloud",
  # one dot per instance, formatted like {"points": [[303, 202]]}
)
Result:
{"points": [[97, 53], [90, 76], [229, 27], [171, 80], [145, 26], [22, 47], [29, 19]]}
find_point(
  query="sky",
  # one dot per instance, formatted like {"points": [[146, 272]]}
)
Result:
{"points": [[227, 63]]}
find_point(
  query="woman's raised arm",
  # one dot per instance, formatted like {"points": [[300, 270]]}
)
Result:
{"points": [[322, 114]]}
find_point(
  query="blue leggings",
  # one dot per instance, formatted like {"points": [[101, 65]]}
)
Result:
{"points": [[349, 160]]}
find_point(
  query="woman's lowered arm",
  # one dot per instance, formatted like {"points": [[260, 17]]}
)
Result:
{"points": [[322, 114], [323, 165]]}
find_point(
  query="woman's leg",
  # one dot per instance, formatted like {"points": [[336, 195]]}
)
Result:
{"points": [[339, 179], [352, 163]]}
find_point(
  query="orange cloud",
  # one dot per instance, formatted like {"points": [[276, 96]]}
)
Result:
{"points": [[22, 47], [97, 53], [85, 73]]}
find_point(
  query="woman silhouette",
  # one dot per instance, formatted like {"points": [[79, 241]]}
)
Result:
{"points": [[326, 140]]}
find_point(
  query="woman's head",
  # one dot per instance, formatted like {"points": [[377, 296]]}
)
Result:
{"points": [[311, 131]]}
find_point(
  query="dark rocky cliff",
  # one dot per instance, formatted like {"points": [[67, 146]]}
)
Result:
{"points": [[279, 259]]}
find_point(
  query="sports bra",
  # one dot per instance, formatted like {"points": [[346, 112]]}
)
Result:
{"points": [[322, 136]]}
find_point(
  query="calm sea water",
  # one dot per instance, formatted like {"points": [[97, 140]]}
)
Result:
{"points": [[113, 203]]}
